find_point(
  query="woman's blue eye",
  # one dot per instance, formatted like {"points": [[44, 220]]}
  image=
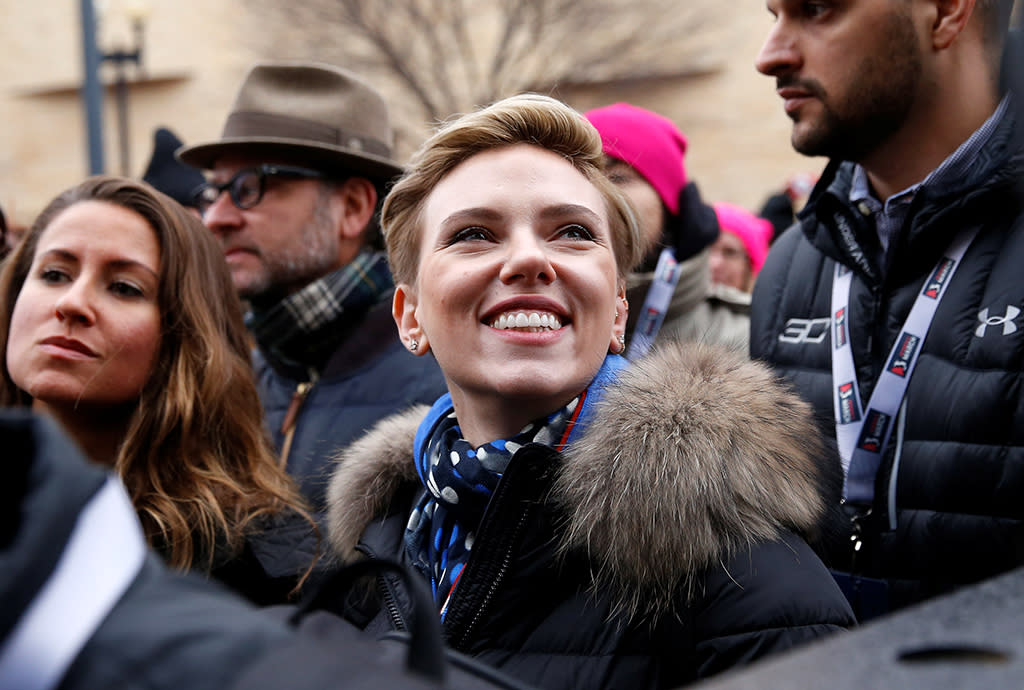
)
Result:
{"points": [[473, 233], [576, 231], [814, 9]]}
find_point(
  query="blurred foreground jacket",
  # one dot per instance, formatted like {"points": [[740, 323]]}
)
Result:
{"points": [[86, 606]]}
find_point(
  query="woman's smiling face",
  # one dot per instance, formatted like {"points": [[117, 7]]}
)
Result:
{"points": [[516, 294]]}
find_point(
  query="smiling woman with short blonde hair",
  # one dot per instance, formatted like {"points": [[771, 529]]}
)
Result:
{"points": [[581, 522]]}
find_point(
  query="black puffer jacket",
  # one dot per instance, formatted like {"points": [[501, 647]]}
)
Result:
{"points": [[952, 481], [659, 548], [161, 630]]}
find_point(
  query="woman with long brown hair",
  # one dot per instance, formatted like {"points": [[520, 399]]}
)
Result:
{"points": [[119, 320]]}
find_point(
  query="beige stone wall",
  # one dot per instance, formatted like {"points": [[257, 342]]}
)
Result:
{"points": [[192, 66], [738, 135], [196, 52]]}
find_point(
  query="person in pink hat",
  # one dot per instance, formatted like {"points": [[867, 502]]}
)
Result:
{"points": [[739, 252], [670, 292]]}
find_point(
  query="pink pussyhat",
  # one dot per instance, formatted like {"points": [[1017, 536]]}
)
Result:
{"points": [[650, 143], [754, 232]]}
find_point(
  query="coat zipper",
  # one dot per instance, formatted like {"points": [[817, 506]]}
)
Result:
{"points": [[291, 416], [506, 560], [387, 595]]}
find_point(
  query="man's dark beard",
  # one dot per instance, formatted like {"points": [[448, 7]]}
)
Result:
{"points": [[856, 137], [876, 104]]}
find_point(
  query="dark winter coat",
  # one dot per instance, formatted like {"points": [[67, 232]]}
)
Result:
{"points": [[369, 377], [166, 631], [659, 548], [953, 478]]}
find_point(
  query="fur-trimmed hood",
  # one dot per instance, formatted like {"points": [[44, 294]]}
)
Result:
{"points": [[693, 453]]}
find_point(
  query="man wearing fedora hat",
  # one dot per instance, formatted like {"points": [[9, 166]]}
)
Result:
{"points": [[294, 185]]}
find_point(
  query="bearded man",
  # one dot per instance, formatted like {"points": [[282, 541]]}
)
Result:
{"points": [[895, 305], [294, 186]]}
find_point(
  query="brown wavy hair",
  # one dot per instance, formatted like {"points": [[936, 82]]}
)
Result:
{"points": [[196, 459]]}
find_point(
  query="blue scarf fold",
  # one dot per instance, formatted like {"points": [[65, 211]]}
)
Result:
{"points": [[461, 479]]}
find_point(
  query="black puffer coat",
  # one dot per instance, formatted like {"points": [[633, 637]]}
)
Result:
{"points": [[658, 549], [952, 481], [164, 631]]}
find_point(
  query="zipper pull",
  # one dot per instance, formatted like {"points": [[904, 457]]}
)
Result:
{"points": [[291, 417], [298, 397]]}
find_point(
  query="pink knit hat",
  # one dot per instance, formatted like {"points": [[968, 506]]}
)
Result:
{"points": [[754, 232], [649, 142]]}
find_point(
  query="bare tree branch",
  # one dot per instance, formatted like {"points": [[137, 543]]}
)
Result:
{"points": [[434, 58]]}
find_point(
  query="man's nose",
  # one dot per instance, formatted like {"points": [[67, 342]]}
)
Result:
{"points": [[222, 215], [780, 53]]}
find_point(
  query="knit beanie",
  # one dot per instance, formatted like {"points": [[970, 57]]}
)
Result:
{"points": [[169, 175], [648, 142], [754, 232]]}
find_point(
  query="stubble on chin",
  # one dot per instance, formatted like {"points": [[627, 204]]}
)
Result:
{"points": [[862, 116], [816, 138]]}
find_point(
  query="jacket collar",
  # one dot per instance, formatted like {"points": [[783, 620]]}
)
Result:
{"points": [[693, 453], [836, 228]]}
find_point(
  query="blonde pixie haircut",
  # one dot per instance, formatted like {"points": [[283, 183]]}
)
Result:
{"points": [[525, 119]]}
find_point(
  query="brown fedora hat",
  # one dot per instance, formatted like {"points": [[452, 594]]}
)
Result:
{"points": [[318, 114]]}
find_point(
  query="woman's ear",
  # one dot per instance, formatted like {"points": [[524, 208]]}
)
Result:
{"points": [[403, 310], [618, 340]]}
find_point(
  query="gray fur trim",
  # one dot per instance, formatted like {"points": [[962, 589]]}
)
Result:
{"points": [[367, 475], [694, 453]]}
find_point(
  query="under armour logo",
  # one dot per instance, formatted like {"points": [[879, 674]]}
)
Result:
{"points": [[1006, 321]]}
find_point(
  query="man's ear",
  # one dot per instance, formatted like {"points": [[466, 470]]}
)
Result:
{"points": [[403, 310], [358, 197], [951, 17]]}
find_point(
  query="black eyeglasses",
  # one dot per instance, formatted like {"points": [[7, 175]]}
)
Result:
{"points": [[246, 187]]}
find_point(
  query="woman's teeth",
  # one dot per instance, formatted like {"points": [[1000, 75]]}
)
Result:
{"points": [[531, 320]]}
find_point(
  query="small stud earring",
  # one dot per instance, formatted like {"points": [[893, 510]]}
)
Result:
{"points": [[413, 344]]}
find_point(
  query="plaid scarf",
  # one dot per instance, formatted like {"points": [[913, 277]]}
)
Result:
{"points": [[306, 327], [461, 479]]}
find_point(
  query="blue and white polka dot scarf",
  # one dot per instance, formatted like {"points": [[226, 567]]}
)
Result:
{"points": [[461, 479]]}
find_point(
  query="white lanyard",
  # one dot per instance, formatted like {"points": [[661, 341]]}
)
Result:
{"points": [[863, 435], [659, 296], [101, 559]]}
